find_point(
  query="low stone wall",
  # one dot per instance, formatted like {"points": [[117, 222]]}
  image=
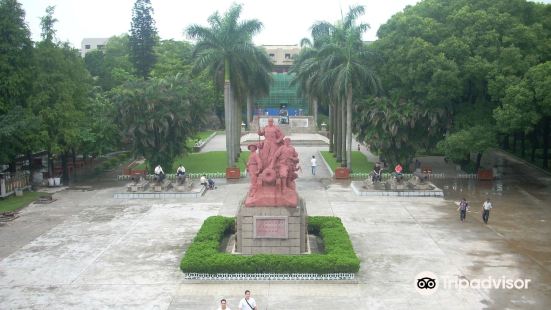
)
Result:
{"points": [[358, 189]]}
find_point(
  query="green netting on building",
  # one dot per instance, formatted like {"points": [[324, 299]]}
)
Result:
{"points": [[281, 92]]}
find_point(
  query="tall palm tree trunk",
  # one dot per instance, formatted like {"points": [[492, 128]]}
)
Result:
{"points": [[249, 110], [349, 127], [338, 136], [343, 134], [315, 110], [237, 129], [331, 127], [228, 120]]}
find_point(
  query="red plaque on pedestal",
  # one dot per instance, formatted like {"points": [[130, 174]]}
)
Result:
{"points": [[342, 173]]}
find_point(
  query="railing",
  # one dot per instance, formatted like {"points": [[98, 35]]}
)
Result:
{"points": [[386, 176], [8, 184]]}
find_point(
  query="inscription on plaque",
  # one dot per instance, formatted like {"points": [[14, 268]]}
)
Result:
{"points": [[270, 227]]}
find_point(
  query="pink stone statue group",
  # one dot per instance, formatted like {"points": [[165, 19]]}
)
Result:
{"points": [[272, 170]]}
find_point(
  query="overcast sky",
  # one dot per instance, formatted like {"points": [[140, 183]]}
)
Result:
{"points": [[285, 21]]}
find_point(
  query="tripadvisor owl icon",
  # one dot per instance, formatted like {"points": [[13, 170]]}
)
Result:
{"points": [[426, 283]]}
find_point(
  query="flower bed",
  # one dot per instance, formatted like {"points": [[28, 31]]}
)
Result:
{"points": [[203, 255]]}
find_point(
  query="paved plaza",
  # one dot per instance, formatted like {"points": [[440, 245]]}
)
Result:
{"points": [[88, 250]]}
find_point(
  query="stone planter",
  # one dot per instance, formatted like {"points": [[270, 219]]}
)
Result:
{"points": [[342, 173], [485, 175], [233, 173]]}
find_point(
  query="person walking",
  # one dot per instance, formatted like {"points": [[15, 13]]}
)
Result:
{"points": [[313, 163], [486, 207], [463, 207], [247, 302]]}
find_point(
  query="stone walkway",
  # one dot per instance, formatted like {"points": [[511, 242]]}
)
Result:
{"points": [[88, 250]]}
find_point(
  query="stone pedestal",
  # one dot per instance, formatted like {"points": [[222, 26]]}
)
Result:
{"points": [[271, 230]]}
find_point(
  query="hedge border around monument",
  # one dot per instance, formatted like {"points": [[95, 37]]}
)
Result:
{"points": [[203, 255]]}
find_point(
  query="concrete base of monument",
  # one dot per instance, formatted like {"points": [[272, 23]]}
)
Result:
{"points": [[272, 230]]}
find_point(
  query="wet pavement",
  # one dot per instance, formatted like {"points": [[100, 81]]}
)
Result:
{"points": [[88, 250]]}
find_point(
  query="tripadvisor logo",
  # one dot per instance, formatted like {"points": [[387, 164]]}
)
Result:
{"points": [[426, 283]]}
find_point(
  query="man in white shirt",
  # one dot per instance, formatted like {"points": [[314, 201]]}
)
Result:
{"points": [[159, 173], [181, 174], [313, 163], [223, 305], [486, 207], [247, 303], [203, 180]]}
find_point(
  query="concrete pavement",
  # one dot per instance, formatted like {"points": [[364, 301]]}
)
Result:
{"points": [[90, 251]]}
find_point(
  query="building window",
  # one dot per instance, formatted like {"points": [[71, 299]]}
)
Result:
{"points": [[287, 56], [272, 55], [87, 46], [100, 46]]}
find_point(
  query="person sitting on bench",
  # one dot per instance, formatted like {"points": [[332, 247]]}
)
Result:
{"points": [[159, 173], [376, 177], [181, 174], [398, 172]]}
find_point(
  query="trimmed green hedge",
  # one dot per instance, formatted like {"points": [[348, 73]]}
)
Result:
{"points": [[204, 256]]}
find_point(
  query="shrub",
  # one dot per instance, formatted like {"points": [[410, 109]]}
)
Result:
{"points": [[203, 255]]}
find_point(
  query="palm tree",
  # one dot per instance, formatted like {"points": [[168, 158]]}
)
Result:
{"points": [[307, 76], [226, 51], [259, 81], [343, 64]]}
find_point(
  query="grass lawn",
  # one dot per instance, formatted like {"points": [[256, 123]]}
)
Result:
{"points": [[14, 203], [208, 162], [139, 166], [202, 135], [359, 164]]}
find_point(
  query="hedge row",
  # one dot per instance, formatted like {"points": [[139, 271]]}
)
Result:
{"points": [[204, 256]]}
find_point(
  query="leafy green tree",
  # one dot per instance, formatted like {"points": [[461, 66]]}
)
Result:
{"points": [[527, 104], [61, 87], [226, 52], [15, 81], [16, 56], [143, 38], [173, 57], [117, 64], [459, 145], [460, 58], [158, 116], [395, 128]]}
